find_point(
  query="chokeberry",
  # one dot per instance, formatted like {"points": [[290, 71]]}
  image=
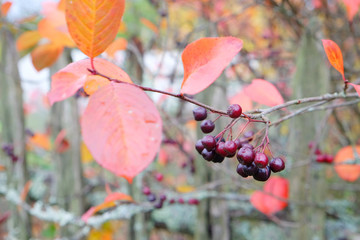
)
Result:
{"points": [[329, 158], [151, 197], [207, 126], [249, 135], [181, 201], [146, 190], [261, 160], [158, 204], [208, 142], [199, 113], [245, 155], [277, 164], [238, 143], [218, 158], [250, 170], [234, 111], [230, 147], [262, 174], [193, 201], [320, 158], [208, 155], [199, 146], [162, 198], [220, 149], [247, 145], [240, 170], [159, 177]]}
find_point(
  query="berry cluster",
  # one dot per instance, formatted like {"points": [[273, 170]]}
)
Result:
{"points": [[9, 150], [151, 197], [252, 162], [320, 156]]}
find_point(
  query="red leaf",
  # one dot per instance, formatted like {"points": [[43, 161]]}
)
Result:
{"points": [[5, 7], [117, 196], [334, 55], [264, 92], [270, 200], [357, 88], [205, 59], [343, 166], [122, 129], [243, 100], [352, 7], [61, 143], [68, 80]]}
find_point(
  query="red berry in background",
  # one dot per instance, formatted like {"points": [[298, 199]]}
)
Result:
{"points": [[199, 113], [199, 146], [158, 205], [318, 151], [171, 201], [193, 201], [208, 155], [230, 147], [208, 142], [162, 197], [181, 201], [247, 145], [146, 190], [277, 164], [321, 158], [234, 111], [249, 135], [240, 170], [220, 149], [329, 158], [207, 126], [261, 160], [262, 174], [159, 177], [238, 143], [245, 155]]}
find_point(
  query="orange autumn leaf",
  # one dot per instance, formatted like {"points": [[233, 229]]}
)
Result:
{"points": [[48, 30], [117, 45], [93, 24], [86, 156], [94, 83], [185, 189], [205, 59], [352, 7], [343, 163], [2, 168], [357, 88], [118, 196], [5, 7], [149, 25], [27, 40], [334, 55], [44, 56], [41, 140], [25, 190]]}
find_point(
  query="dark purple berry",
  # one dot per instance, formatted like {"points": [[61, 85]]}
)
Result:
{"points": [[230, 147], [151, 197], [207, 126], [218, 158], [199, 113], [277, 164], [208, 155], [240, 170], [238, 143], [245, 155], [250, 170], [220, 149], [146, 190], [249, 135], [261, 160], [199, 146], [162, 197], [262, 174], [158, 205], [208, 142], [234, 111], [193, 201]]}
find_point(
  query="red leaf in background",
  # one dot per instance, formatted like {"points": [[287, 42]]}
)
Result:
{"points": [[61, 143], [263, 92], [357, 88], [269, 201], [68, 80], [4, 217], [122, 129], [205, 59], [5, 7], [243, 100], [85, 217], [334, 55], [118, 196], [347, 171], [352, 7]]}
